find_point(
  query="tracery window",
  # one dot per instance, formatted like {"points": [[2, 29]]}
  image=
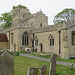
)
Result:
{"points": [[25, 39], [36, 41], [51, 41]]}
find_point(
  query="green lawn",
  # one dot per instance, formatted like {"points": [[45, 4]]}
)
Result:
{"points": [[22, 63], [57, 58]]}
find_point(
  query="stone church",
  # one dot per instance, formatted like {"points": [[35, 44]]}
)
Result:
{"points": [[33, 32]]}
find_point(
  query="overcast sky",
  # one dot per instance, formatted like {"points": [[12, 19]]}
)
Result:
{"points": [[49, 7]]}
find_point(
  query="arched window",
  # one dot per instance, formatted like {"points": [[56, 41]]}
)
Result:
{"points": [[36, 41], [51, 40], [25, 39]]}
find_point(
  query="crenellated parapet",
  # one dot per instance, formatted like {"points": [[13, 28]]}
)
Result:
{"points": [[20, 14], [40, 19]]}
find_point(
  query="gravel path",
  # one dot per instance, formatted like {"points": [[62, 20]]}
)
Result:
{"points": [[44, 59]]}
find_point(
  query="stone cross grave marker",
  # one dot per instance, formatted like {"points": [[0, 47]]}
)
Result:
{"points": [[32, 71], [52, 65], [6, 63], [14, 48], [43, 70]]}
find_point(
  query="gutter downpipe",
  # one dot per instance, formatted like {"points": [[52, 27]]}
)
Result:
{"points": [[59, 42]]}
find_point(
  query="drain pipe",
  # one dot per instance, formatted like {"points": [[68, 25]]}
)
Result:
{"points": [[59, 42], [9, 39], [33, 41]]}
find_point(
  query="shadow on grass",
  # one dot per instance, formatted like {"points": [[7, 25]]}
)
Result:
{"points": [[72, 58]]}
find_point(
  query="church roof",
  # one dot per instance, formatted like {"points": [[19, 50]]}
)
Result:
{"points": [[3, 38]]}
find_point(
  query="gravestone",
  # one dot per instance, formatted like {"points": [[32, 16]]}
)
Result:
{"points": [[52, 65], [71, 68], [6, 63], [43, 70], [32, 71]]}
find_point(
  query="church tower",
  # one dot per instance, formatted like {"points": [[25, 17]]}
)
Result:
{"points": [[18, 14]]}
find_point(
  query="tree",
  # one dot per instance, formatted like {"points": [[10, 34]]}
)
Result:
{"points": [[5, 20], [14, 7], [64, 16]]}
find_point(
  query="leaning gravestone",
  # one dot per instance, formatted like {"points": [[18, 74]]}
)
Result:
{"points": [[52, 65], [6, 63]]}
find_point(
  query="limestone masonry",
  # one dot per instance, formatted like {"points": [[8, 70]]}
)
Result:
{"points": [[31, 31]]}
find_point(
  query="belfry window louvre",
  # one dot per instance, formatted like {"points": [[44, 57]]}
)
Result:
{"points": [[40, 24]]}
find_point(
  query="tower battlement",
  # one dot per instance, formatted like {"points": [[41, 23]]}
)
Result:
{"points": [[18, 14]]}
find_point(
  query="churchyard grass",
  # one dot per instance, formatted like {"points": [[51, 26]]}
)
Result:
{"points": [[66, 60], [22, 63], [45, 55], [21, 51]]}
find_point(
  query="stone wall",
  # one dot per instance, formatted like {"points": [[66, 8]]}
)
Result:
{"points": [[64, 44], [20, 33], [70, 46], [4, 45], [44, 39]]}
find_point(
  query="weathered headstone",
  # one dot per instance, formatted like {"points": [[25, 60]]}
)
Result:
{"points": [[71, 68], [15, 49], [43, 70], [6, 63], [52, 65], [32, 71]]}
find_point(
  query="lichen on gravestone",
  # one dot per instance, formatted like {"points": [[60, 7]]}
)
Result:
{"points": [[6, 63], [43, 70]]}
